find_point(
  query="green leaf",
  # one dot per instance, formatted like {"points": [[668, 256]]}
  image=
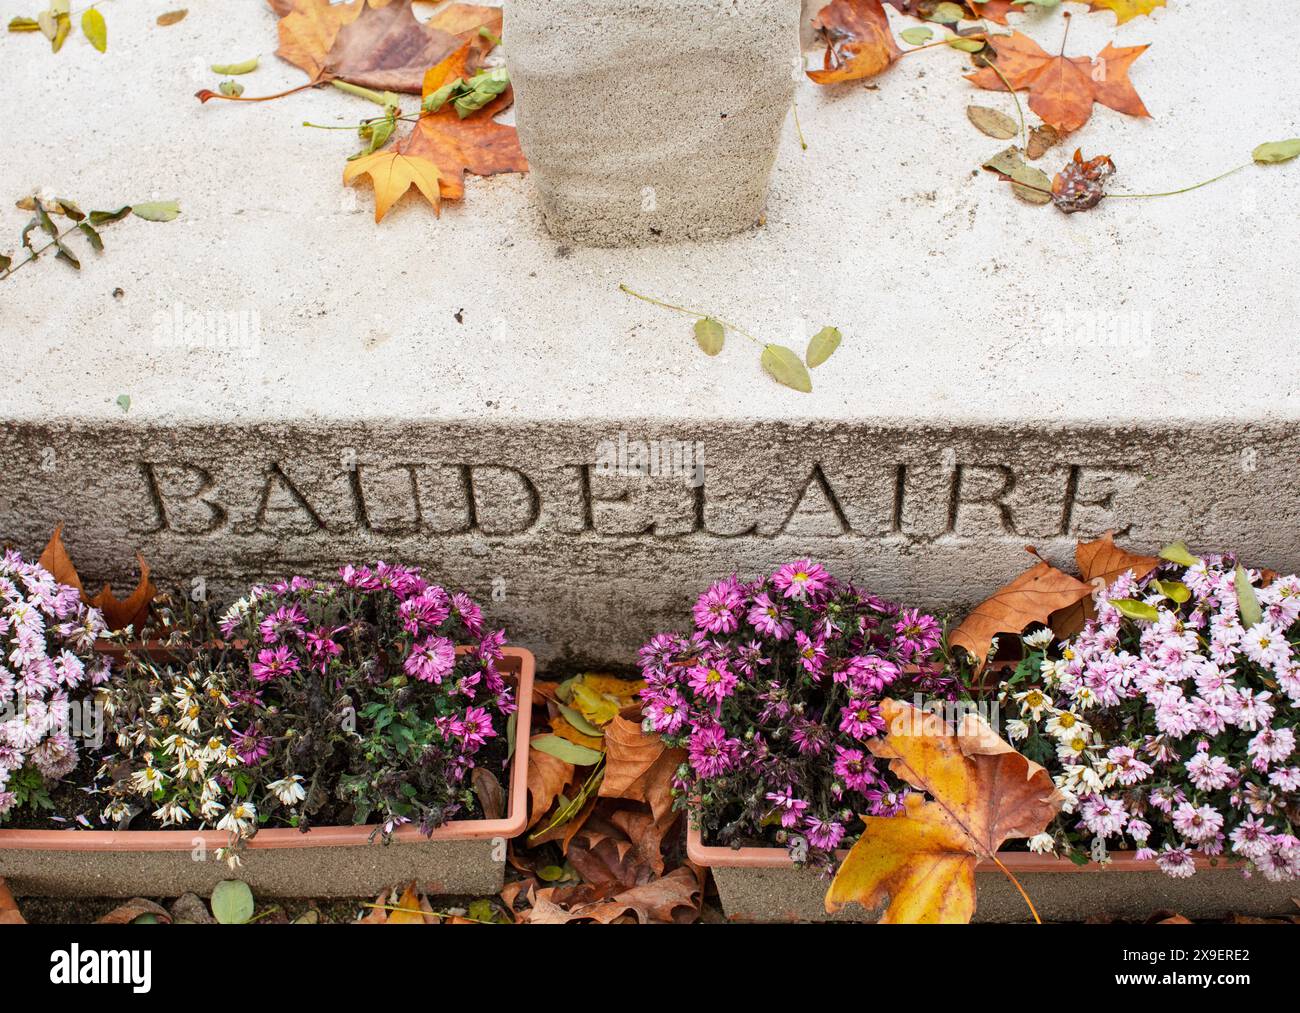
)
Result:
{"points": [[947, 14], [1277, 151], [992, 122], [709, 335], [46, 222], [234, 69], [1179, 553], [512, 723], [1247, 602], [822, 346], [569, 752], [918, 36], [124, 402], [92, 236], [551, 874], [232, 902], [1137, 609], [578, 721], [24, 25], [156, 211], [1027, 183], [104, 217], [94, 28], [65, 254], [785, 368], [231, 88], [1173, 590], [966, 45]]}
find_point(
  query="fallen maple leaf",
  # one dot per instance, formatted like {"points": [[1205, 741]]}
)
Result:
{"points": [[548, 776], [118, 615], [376, 43], [1126, 10], [1062, 89], [476, 144], [639, 767], [1101, 563], [393, 173], [1081, 185], [921, 865], [1031, 597], [137, 907], [858, 41]]}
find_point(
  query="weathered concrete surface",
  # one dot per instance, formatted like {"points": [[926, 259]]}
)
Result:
{"points": [[792, 894], [440, 867], [1009, 375], [651, 122]]}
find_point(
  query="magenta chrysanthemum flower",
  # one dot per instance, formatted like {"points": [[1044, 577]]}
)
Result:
{"points": [[713, 683], [717, 609], [861, 719], [823, 834], [712, 754], [769, 618], [274, 662], [800, 579], [431, 660]]}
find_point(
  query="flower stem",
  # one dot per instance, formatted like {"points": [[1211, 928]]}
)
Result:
{"points": [[1186, 189], [689, 312]]}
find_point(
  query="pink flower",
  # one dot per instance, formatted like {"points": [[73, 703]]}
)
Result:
{"points": [[854, 769], [812, 653], [861, 719], [823, 834], [431, 660], [667, 711], [717, 608], [712, 754], [800, 579], [1177, 862], [272, 664], [792, 809], [919, 633], [770, 618], [474, 728], [712, 682]]}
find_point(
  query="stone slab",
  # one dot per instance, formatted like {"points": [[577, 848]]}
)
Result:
{"points": [[441, 867], [440, 390], [799, 895]]}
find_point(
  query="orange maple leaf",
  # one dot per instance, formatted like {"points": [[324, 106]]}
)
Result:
{"points": [[858, 41], [1101, 562], [476, 144], [393, 173], [1031, 597], [1062, 89], [376, 43], [921, 865]]}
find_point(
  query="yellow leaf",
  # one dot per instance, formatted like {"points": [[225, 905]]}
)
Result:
{"points": [[921, 865], [393, 174], [1127, 10]]}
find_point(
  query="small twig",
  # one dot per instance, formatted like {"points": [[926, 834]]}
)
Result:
{"points": [[689, 312]]}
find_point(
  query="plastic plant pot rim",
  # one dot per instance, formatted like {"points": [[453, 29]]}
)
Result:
{"points": [[512, 825], [1015, 861]]}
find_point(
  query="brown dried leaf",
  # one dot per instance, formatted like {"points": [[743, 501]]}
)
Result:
{"points": [[491, 796], [1062, 89], [1031, 597], [126, 913], [920, 866], [55, 558], [858, 41], [9, 913], [1101, 562], [386, 48], [476, 144], [134, 611], [547, 778], [639, 767]]}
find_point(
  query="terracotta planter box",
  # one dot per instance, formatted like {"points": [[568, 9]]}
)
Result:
{"points": [[462, 856], [763, 885]]}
